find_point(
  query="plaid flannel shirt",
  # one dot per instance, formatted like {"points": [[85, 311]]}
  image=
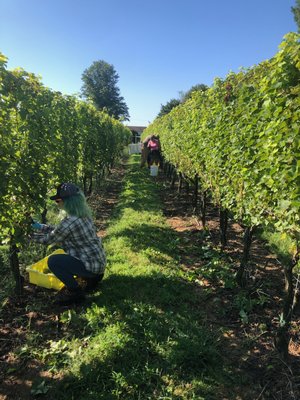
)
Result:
{"points": [[79, 239]]}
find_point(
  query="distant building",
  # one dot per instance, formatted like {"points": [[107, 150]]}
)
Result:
{"points": [[136, 133]]}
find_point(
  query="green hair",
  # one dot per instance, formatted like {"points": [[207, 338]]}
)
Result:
{"points": [[77, 206]]}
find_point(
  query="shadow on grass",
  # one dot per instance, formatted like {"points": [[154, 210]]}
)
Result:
{"points": [[150, 237], [151, 341], [157, 344], [140, 235], [136, 192], [141, 337]]}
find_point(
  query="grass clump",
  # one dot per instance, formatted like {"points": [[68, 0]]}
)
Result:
{"points": [[280, 243]]}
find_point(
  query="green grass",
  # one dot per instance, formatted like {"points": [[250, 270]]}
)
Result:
{"points": [[281, 244], [143, 335]]}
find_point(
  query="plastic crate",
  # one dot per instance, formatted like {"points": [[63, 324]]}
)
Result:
{"points": [[39, 275]]}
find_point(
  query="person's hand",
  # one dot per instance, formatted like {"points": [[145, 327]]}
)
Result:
{"points": [[36, 225]]}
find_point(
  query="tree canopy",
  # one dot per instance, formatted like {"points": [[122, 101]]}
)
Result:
{"points": [[184, 96], [165, 109], [296, 12], [199, 87], [100, 86]]}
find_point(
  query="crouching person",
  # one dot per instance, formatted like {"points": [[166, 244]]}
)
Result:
{"points": [[76, 234]]}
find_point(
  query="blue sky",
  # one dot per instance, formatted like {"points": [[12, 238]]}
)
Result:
{"points": [[159, 48]]}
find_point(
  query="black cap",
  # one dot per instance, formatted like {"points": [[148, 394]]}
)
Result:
{"points": [[65, 190]]}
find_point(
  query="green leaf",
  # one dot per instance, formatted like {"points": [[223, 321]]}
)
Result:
{"points": [[244, 317]]}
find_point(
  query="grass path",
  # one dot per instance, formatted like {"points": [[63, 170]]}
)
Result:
{"points": [[143, 335], [164, 325]]}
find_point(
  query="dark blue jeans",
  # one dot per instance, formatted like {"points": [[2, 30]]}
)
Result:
{"points": [[64, 267]]}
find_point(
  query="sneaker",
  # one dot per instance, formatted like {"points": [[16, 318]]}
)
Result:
{"points": [[67, 296], [92, 283]]}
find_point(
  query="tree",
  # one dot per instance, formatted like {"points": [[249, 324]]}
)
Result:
{"points": [[100, 86], [184, 96], [296, 11], [165, 109], [201, 87]]}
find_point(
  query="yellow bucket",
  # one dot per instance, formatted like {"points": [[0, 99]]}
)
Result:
{"points": [[40, 275]]}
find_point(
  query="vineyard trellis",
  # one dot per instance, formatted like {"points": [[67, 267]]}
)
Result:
{"points": [[46, 138], [240, 140]]}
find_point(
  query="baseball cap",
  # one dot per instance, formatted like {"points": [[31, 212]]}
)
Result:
{"points": [[64, 190]]}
